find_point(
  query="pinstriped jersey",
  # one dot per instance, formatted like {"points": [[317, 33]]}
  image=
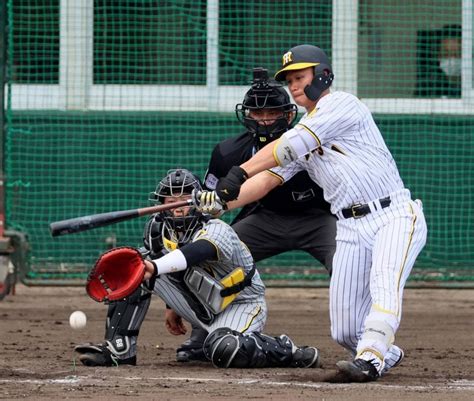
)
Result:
{"points": [[351, 161], [231, 253]]}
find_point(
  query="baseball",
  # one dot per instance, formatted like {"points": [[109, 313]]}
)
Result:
{"points": [[78, 320]]}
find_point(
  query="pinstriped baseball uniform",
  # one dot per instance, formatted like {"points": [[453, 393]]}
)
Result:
{"points": [[248, 312], [375, 253]]}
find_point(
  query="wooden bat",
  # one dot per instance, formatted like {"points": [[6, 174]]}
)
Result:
{"points": [[85, 223]]}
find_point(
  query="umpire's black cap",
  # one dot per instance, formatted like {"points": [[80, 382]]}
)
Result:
{"points": [[300, 57]]}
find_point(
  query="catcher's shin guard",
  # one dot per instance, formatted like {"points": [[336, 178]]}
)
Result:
{"points": [[124, 319], [228, 348]]}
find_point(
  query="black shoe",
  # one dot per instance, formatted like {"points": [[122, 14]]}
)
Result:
{"points": [[358, 370], [191, 349], [101, 355], [306, 357]]}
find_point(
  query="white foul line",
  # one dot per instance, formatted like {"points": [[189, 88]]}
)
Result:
{"points": [[453, 385]]}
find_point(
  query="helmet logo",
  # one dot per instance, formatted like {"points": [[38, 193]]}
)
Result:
{"points": [[287, 58]]}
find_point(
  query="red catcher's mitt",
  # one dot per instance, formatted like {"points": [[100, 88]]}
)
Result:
{"points": [[116, 274]]}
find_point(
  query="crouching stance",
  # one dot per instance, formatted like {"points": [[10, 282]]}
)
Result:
{"points": [[206, 276]]}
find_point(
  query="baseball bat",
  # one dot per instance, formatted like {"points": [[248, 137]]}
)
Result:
{"points": [[85, 223]]}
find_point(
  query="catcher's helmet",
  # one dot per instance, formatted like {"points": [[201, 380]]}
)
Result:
{"points": [[178, 229], [304, 56], [266, 93]]}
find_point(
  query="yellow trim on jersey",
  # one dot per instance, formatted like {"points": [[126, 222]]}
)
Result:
{"points": [[313, 112], [282, 181], [274, 152], [311, 132], [295, 66], [259, 309]]}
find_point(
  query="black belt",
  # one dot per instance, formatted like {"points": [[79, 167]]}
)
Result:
{"points": [[357, 211]]}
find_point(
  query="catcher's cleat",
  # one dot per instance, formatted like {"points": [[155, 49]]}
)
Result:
{"points": [[191, 349], [306, 357], [358, 370], [101, 355]]}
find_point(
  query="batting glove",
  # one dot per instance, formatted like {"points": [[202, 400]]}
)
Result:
{"points": [[207, 202], [228, 187]]}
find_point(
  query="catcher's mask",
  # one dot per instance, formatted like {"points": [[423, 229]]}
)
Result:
{"points": [[178, 228], [304, 56], [266, 94]]}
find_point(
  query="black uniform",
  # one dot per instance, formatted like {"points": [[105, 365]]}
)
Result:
{"points": [[293, 216]]}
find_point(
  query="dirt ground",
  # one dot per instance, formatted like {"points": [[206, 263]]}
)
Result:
{"points": [[37, 361]]}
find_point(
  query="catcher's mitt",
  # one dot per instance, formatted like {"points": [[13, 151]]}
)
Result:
{"points": [[116, 274]]}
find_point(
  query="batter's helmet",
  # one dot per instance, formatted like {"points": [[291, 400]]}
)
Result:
{"points": [[178, 230], [304, 56], [266, 93]]}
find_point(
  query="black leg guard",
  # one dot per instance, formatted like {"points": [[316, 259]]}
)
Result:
{"points": [[124, 319], [228, 348]]}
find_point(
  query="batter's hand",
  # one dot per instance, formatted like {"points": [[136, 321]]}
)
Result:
{"points": [[174, 323], [228, 187], [208, 202]]}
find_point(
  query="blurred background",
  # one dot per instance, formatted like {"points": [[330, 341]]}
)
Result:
{"points": [[102, 97]]}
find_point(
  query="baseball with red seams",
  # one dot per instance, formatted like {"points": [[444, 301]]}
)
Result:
{"points": [[78, 320]]}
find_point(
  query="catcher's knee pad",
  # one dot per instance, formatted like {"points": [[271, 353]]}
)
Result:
{"points": [[227, 348], [221, 346]]}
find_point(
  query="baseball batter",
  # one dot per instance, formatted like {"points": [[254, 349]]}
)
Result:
{"points": [[207, 276], [380, 230]]}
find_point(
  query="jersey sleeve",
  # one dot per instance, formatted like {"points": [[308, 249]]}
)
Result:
{"points": [[286, 173], [221, 235]]}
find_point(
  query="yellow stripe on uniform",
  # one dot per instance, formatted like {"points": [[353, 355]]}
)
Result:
{"points": [[279, 177], [311, 132], [277, 160], [256, 313], [402, 267], [400, 270]]}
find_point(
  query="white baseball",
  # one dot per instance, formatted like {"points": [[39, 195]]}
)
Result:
{"points": [[78, 320]]}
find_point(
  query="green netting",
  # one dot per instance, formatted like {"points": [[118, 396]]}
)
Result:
{"points": [[61, 162]]}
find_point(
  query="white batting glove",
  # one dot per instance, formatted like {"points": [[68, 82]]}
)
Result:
{"points": [[208, 202]]}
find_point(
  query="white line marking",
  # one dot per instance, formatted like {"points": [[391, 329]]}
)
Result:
{"points": [[454, 385]]}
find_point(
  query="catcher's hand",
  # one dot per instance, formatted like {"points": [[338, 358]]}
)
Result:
{"points": [[116, 274], [208, 202], [228, 187]]}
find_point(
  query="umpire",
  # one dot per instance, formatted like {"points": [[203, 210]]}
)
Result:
{"points": [[293, 216]]}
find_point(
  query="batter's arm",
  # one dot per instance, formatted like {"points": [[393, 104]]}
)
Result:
{"points": [[292, 145], [254, 189], [262, 160]]}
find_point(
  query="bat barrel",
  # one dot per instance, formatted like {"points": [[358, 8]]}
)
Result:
{"points": [[84, 223], [79, 224]]}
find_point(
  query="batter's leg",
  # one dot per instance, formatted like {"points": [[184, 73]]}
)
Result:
{"points": [[395, 250], [349, 295]]}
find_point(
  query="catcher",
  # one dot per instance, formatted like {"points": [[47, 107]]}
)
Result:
{"points": [[205, 275]]}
